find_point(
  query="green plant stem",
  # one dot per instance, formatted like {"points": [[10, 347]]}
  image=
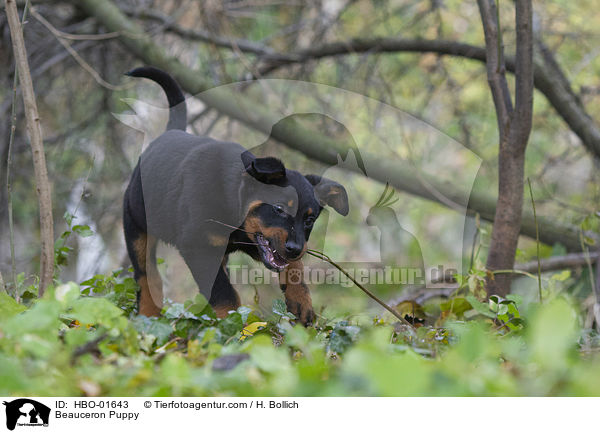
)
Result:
{"points": [[537, 239], [326, 258], [514, 271]]}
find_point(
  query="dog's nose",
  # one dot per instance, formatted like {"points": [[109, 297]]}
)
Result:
{"points": [[293, 249]]}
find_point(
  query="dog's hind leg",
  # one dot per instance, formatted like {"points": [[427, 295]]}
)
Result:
{"points": [[223, 296], [142, 252], [209, 272]]}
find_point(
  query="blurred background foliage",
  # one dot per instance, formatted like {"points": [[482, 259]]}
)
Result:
{"points": [[90, 154]]}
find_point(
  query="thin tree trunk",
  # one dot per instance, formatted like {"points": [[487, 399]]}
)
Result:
{"points": [[37, 147], [514, 125]]}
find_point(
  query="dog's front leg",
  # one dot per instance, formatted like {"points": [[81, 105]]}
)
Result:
{"points": [[297, 295]]}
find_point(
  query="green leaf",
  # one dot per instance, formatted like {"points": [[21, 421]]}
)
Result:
{"points": [[154, 326], [562, 276], [68, 217], [198, 305], [589, 241], [480, 307], [586, 224], [95, 311], [9, 307], [342, 337], [457, 305], [517, 299], [231, 325], [279, 307], [83, 230], [67, 293]]}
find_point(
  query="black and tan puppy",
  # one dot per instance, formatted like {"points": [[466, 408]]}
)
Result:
{"points": [[210, 198]]}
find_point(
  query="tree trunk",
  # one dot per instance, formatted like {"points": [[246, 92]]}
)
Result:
{"points": [[514, 126], [37, 147]]}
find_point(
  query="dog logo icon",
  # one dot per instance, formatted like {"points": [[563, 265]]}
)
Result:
{"points": [[26, 412]]}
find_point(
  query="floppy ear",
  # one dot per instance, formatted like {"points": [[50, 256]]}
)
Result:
{"points": [[265, 170], [330, 193]]}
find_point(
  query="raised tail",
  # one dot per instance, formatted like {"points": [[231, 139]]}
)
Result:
{"points": [[177, 106]]}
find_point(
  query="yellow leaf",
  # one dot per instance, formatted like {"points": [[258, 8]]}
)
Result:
{"points": [[249, 330]]}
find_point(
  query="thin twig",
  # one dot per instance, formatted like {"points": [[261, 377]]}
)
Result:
{"points": [[228, 225], [537, 240], [514, 271], [13, 127], [85, 65], [322, 256]]}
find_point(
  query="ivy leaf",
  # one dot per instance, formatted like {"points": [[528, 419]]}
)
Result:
{"points": [[279, 307], [155, 327], [231, 325]]}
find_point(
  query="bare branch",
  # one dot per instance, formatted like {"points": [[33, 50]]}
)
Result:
{"points": [[495, 63], [60, 36], [548, 77]]}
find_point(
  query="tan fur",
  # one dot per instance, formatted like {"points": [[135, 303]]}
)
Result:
{"points": [[297, 295], [139, 249], [276, 234], [223, 309], [151, 289]]}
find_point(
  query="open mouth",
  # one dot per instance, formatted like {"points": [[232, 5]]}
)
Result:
{"points": [[270, 257]]}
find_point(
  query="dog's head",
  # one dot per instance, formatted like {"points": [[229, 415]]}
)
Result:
{"points": [[280, 218]]}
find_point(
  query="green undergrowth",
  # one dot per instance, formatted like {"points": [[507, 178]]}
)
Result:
{"points": [[87, 340]]}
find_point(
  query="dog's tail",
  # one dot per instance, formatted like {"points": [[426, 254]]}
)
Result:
{"points": [[177, 106]]}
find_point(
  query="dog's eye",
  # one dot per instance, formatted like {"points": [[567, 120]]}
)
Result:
{"points": [[308, 222], [279, 209]]}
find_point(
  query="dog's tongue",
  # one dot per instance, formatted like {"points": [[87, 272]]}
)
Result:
{"points": [[272, 256], [277, 259]]}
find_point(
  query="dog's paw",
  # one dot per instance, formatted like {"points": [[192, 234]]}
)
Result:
{"points": [[303, 311]]}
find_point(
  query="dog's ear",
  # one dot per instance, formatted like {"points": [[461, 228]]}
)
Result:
{"points": [[265, 170], [330, 193]]}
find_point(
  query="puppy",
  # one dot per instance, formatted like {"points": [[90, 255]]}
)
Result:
{"points": [[209, 198]]}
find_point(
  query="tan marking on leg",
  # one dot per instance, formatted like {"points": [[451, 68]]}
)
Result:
{"points": [[147, 305], [151, 295], [297, 295], [223, 309], [139, 249]]}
